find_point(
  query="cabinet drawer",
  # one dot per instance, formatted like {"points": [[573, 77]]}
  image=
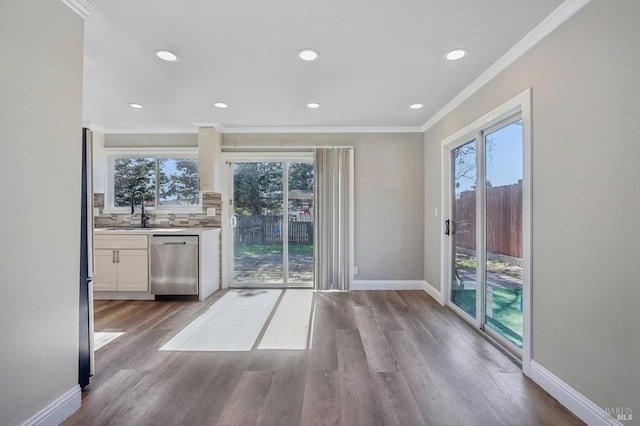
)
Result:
{"points": [[121, 241]]}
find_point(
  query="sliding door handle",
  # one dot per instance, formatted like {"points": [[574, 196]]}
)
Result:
{"points": [[450, 227]]}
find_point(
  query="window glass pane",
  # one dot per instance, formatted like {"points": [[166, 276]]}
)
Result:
{"points": [[300, 212], [462, 228], [178, 182], [503, 208], [258, 207], [133, 179]]}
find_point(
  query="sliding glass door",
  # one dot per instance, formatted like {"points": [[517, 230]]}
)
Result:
{"points": [[258, 204], [485, 229], [503, 231], [272, 221], [300, 219], [462, 228]]}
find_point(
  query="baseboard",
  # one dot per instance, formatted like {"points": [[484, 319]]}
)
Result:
{"points": [[59, 410], [123, 295], [433, 292], [387, 285], [575, 402]]}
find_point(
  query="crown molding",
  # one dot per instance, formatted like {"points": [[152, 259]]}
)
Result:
{"points": [[218, 126], [81, 7], [94, 127], [322, 130], [148, 130], [245, 130], [544, 28]]}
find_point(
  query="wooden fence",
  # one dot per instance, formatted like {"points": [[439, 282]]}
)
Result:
{"points": [[504, 220], [268, 230]]}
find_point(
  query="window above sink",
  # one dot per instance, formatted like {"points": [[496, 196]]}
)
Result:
{"points": [[165, 180]]}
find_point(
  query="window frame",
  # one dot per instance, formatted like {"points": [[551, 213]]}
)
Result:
{"points": [[157, 153]]}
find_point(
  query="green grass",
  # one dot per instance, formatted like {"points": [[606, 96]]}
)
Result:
{"points": [[270, 249], [492, 265], [506, 318], [470, 263]]}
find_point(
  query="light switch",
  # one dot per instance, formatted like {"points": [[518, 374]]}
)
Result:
{"points": [[211, 211]]}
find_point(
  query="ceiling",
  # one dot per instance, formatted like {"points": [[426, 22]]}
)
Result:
{"points": [[377, 57]]}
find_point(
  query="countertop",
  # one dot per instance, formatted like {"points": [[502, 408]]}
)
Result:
{"points": [[153, 231]]}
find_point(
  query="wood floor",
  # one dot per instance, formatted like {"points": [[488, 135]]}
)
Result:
{"points": [[377, 358]]}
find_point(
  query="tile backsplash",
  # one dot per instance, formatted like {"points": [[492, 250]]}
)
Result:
{"points": [[162, 219]]}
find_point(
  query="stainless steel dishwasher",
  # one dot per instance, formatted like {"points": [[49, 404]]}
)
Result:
{"points": [[174, 264]]}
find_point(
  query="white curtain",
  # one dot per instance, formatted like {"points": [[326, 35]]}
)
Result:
{"points": [[332, 231]]}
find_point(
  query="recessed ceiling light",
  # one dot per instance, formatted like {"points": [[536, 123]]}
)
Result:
{"points": [[456, 54], [220, 105], [313, 105], [135, 105], [308, 54], [166, 55], [416, 106]]}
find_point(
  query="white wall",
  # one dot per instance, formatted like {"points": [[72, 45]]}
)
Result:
{"points": [[40, 171], [152, 140], [389, 197], [586, 201]]}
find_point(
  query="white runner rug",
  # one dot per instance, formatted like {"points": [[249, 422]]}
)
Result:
{"points": [[233, 323]]}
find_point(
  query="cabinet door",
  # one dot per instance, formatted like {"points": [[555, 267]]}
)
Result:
{"points": [[133, 270], [106, 275], [206, 137], [209, 159]]}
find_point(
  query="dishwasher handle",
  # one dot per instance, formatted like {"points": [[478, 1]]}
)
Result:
{"points": [[174, 240]]}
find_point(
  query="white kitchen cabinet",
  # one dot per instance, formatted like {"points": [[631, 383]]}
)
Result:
{"points": [[123, 258], [209, 159], [133, 270], [105, 277], [121, 263], [209, 263]]}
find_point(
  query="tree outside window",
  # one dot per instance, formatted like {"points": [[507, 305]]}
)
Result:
{"points": [[161, 182]]}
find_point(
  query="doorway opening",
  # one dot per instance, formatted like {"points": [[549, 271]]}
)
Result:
{"points": [[271, 217], [487, 231]]}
